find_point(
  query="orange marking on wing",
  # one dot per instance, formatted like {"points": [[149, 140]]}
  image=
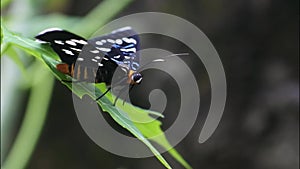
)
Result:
{"points": [[63, 68], [85, 75], [72, 70]]}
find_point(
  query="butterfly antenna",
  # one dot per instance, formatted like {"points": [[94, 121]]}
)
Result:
{"points": [[177, 54], [163, 59]]}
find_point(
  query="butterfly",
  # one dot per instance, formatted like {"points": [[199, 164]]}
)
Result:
{"points": [[95, 60]]}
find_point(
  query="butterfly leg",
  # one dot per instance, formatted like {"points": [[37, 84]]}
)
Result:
{"points": [[131, 86], [108, 89], [119, 94]]}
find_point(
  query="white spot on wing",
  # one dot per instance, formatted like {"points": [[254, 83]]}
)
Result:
{"points": [[79, 50], [119, 41], [129, 40], [99, 43], [71, 43], [111, 41], [116, 57], [129, 50], [127, 57], [59, 42], [103, 41], [83, 42], [94, 51], [68, 52], [94, 60], [80, 59], [104, 49], [97, 57], [100, 64], [125, 70]]}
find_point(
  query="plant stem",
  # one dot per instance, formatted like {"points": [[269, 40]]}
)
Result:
{"points": [[33, 122]]}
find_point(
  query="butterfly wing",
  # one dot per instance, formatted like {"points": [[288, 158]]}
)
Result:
{"points": [[120, 46], [96, 59], [66, 44], [75, 52]]}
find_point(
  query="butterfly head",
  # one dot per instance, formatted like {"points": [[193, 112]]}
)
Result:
{"points": [[136, 78]]}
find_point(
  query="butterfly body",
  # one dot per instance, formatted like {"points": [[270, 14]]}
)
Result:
{"points": [[95, 60]]}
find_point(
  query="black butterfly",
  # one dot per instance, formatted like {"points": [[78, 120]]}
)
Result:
{"points": [[96, 60]]}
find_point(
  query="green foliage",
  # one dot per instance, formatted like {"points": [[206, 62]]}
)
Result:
{"points": [[120, 113], [128, 116]]}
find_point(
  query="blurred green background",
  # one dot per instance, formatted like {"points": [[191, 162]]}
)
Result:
{"points": [[257, 41]]}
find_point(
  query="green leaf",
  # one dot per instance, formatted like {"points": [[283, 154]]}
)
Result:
{"points": [[151, 129], [136, 120]]}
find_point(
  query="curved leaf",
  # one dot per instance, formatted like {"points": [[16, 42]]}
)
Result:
{"points": [[122, 114]]}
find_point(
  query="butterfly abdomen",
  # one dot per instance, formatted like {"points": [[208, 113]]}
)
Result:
{"points": [[87, 74], [80, 73]]}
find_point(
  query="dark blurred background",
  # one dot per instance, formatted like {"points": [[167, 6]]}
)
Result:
{"points": [[258, 43]]}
